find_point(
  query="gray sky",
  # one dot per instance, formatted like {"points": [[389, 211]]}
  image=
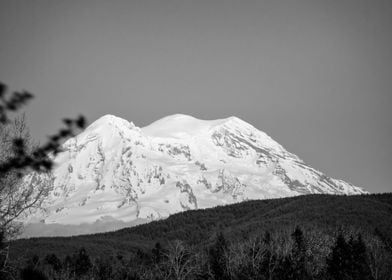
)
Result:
{"points": [[314, 75]]}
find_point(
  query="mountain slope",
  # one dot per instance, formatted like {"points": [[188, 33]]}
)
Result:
{"points": [[115, 174]]}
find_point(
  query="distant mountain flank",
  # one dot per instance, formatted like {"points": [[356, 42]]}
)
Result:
{"points": [[115, 174]]}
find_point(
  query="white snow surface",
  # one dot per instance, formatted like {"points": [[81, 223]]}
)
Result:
{"points": [[118, 174]]}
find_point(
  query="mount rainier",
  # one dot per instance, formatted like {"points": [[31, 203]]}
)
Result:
{"points": [[115, 174]]}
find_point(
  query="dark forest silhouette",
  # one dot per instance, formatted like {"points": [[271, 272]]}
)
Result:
{"points": [[260, 257], [346, 237]]}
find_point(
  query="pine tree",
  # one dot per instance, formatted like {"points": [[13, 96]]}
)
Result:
{"points": [[31, 273], [157, 253], [284, 269], [269, 261], [82, 263], [53, 261], [338, 262], [217, 259], [359, 267], [348, 260], [267, 238], [68, 265], [298, 255], [102, 269]]}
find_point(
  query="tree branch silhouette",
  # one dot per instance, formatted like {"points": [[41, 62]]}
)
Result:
{"points": [[37, 160], [19, 158]]}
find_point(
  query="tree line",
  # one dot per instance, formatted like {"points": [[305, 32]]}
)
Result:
{"points": [[295, 255]]}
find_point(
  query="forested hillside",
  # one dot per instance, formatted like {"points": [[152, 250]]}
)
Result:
{"points": [[319, 226], [364, 213]]}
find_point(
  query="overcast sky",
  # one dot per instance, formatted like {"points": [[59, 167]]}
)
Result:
{"points": [[314, 75]]}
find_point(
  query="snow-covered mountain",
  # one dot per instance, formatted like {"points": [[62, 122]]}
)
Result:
{"points": [[115, 174]]}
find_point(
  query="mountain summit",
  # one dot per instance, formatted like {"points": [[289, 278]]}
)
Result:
{"points": [[115, 174]]}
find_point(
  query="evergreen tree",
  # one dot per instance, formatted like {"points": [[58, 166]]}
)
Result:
{"points": [[53, 261], [31, 273], [298, 255], [33, 261], [338, 262], [359, 267], [269, 261], [68, 265], [102, 269], [217, 259], [267, 238], [284, 269], [157, 253], [82, 263], [141, 257], [348, 260]]}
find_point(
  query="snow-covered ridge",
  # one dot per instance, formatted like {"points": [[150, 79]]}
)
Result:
{"points": [[117, 171], [180, 125]]}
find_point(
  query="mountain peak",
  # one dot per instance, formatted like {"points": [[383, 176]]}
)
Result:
{"points": [[237, 121], [109, 120], [181, 125]]}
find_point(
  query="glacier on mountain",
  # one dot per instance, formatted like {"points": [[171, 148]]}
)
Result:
{"points": [[118, 174]]}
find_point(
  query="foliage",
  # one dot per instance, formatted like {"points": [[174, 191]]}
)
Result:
{"points": [[39, 158], [217, 258], [348, 260], [19, 191], [18, 157], [246, 259]]}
